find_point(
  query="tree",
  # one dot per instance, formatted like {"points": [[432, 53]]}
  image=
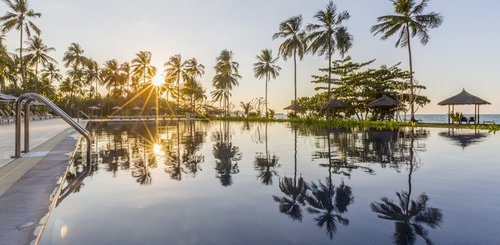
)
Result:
{"points": [[52, 73], [409, 21], [20, 18], [329, 35], [37, 53], [174, 71], [93, 74], [74, 56], [294, 43], [111, 75], [6, 66], [266, 67], [247, 107], [141, 66], [226, 77]]}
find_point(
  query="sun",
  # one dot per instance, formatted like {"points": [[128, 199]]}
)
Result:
{"points": [[158, 80]]}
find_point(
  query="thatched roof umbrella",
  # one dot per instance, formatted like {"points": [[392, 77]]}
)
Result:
{"points": [[295, 107], [384, 102], [464, 98], [334, 104]]}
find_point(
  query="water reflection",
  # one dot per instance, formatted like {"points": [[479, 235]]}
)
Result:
{"points": [[293, 189], [409, 215], [226, 154], [464, 138], [265, 162]]}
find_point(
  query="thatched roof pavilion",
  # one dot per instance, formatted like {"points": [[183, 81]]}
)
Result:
{"points": [[384, 102], [294, 106], [464, 98], [334, 104]]}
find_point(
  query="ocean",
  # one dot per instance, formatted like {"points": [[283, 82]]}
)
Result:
{"points": [[443, 118]]}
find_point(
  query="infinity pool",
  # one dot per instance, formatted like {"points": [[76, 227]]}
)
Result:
{"points": [[255, 183]]}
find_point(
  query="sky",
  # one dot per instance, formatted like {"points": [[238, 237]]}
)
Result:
{"points": [[462, 53]]}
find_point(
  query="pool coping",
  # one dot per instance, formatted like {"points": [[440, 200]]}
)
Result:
{"points": [[27, 201]]}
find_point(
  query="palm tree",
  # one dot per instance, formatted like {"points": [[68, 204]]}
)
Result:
{"points": [[6, 66], [329, 35], [37, 53], [193, 68], [20, 18], [111, 75], [226, 77], [93, 74], [141, 66], [52, 73], [247, 107], [175, 70], [74, 56], [294, 43], [126, 73], [408, 21], [266, 67]]}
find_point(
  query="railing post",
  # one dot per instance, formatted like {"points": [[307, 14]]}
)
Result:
{"points": [[17, 151], [27, 112]]}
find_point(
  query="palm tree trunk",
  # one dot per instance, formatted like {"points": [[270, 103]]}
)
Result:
{"points": [[267, 80], [412, 139], [36, 76], [178, 91], [412, 95], [329, 69], [295, 77], [21, 59]]}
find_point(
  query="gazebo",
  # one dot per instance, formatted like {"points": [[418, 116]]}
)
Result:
{"points": [[464, 98], [385, 103], [334, 104], [295, 107]]}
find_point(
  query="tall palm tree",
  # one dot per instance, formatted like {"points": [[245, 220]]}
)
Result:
{"points": [[111, 75], [408, 22], [266, 67], [329, 35], [93, 74], [20, 17], [74, 56], [226, 77], [175, 70], [194, 69], [141, 66], [294, 43], [6, 66], [37, 53], [52, 73]]}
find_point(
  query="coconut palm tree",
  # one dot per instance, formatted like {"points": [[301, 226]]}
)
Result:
{"points": [[266, 67], [176, 70], [93, 74], [247, 107], [294, 43], [126, 73], [20, 17], [37, 53], [329, 35], [111, 75], [141, 66], [6, 66], [226, 77], [407, 22], [74, 56], [193, 68], [52, 73]]}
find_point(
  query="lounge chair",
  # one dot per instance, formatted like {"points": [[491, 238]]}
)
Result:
{"points": [[472, 120], [463, 119]]}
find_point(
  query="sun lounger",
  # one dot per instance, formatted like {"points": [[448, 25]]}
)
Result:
{"points": [[463, 119]]}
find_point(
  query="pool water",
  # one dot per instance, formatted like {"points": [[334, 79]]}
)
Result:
{"points": [[275, 183]]}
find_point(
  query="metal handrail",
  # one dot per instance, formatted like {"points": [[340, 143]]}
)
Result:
{"points": [[29, 97], [83, 113]]}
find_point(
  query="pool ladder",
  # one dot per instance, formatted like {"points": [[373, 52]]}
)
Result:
{"points": [[28, 98]]}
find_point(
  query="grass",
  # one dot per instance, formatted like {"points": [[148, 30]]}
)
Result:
{"points": [[353, 123]]}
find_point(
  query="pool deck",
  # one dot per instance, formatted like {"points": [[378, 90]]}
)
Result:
{"points": [[26, 183]]}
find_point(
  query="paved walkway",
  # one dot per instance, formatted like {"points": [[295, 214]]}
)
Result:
{"points": [[40, 131]]}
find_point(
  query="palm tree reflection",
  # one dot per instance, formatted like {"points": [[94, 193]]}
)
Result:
{"points": [[294, 190], [226, 155], [266, 163], [409, 215]]}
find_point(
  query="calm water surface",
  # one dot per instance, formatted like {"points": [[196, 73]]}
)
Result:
{"points": [[256, 183]]}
